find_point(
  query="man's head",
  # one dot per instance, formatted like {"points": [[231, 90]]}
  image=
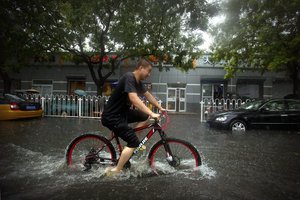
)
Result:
{"points": [[143, 69]]}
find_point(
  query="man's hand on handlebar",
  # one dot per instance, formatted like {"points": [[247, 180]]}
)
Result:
{"points": [[162, 110], [155, 116]]}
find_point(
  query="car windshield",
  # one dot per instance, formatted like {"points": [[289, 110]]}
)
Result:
{"points": [[252, 105], [13, 98]]}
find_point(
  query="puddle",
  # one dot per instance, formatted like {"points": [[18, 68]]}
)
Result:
{"points": [[24, 163]]}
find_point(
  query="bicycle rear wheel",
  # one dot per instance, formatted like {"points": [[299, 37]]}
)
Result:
{"points": [[90, 150], [182, 156]]}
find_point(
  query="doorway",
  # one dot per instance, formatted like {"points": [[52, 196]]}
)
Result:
{"points": [[75, 84], [213, 91], [176, 99]]}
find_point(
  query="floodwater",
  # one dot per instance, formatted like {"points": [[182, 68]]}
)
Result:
{"points": [[260, 164]]}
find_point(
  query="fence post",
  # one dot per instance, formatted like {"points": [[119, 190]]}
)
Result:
{"points": [[43, 102], [79, 106], [201, 111]]}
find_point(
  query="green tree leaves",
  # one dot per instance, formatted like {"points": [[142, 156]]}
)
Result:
{"points": [[132, 28], [126, 28], [262, 35]]}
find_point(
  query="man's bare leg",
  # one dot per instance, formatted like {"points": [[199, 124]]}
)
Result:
{"points": [[127, 151], [143, 123], [125, 156]]}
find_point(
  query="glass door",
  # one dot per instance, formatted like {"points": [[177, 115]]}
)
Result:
{"points": [[207, 91], [182, 99], [212, 91], [171, 99]]}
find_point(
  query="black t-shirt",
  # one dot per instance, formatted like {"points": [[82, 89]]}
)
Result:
{"points": [[119, 101]]}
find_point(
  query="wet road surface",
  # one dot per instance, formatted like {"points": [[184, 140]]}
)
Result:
{"points": [[258, 165]]}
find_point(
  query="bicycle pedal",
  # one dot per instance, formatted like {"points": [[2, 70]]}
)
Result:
{"points": [[87, 167]]}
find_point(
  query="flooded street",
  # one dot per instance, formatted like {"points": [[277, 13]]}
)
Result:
{"points": [[258, 165]]}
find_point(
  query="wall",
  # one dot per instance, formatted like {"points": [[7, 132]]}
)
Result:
{"points": [[269, 84]]}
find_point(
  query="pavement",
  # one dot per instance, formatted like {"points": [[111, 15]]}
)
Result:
{"points": [[261, 164]]}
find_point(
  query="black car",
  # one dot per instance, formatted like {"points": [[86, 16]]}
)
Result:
{"points": [[275, 113]]}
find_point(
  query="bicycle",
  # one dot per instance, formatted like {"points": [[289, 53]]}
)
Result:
{"points": [[88, 150]]}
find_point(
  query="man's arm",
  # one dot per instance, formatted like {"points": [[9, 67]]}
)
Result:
{"points": [[152, 100], [137, 102]]}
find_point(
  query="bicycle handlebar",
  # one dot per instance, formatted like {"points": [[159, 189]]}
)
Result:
{"points": [[164, 113], [164, 120]]}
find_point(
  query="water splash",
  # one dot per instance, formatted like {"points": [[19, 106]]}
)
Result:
{"points": [[26, 163]]}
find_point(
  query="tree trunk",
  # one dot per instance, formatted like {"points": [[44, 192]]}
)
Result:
{"points": [[296, 84], [100, 88], [100, 85], [100, 79], [6, 81], [295, 78]]}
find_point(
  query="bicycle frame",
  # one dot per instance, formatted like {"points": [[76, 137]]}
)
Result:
{"points": [[163, 147], [155, 127]]}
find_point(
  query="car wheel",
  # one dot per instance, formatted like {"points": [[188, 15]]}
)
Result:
{"points": [[238, 125]]}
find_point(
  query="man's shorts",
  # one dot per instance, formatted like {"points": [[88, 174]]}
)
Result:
{"points": [[119, 125]]}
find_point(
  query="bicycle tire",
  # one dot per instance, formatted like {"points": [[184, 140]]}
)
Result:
{"points": [[80, 153], [185, 156]]}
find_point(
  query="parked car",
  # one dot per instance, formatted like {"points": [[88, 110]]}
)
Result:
{"points": [[14, 107], [275, 113]]}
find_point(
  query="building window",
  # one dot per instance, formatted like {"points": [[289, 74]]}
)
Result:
{"points": [[15, 84], [109, 87], [249, 88], [44, 59], [43, 86], [75, 83]]}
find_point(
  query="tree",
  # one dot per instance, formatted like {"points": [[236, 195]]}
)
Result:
{"points": [[262, 35], [19, 38], [92, 31]]}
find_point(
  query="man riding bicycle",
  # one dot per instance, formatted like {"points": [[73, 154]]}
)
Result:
{"points": [[117, 113]]}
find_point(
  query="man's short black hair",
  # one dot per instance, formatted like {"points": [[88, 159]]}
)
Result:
{"points": [[144, 63]]}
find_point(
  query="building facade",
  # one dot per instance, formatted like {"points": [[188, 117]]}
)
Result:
{"points": [[179, 91]]}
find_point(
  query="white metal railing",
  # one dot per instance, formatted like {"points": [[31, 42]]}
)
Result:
{"points": [[209, 106], [70, 106], [92, 106], [73, 106]]}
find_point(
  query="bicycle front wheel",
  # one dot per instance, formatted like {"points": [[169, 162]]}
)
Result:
{"points": [[90, 150], [173, 155]]}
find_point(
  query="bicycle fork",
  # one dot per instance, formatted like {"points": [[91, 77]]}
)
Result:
{"points": [[172, 159]]}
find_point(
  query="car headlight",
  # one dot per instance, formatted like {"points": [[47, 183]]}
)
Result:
{"points": [[221, 118]]}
